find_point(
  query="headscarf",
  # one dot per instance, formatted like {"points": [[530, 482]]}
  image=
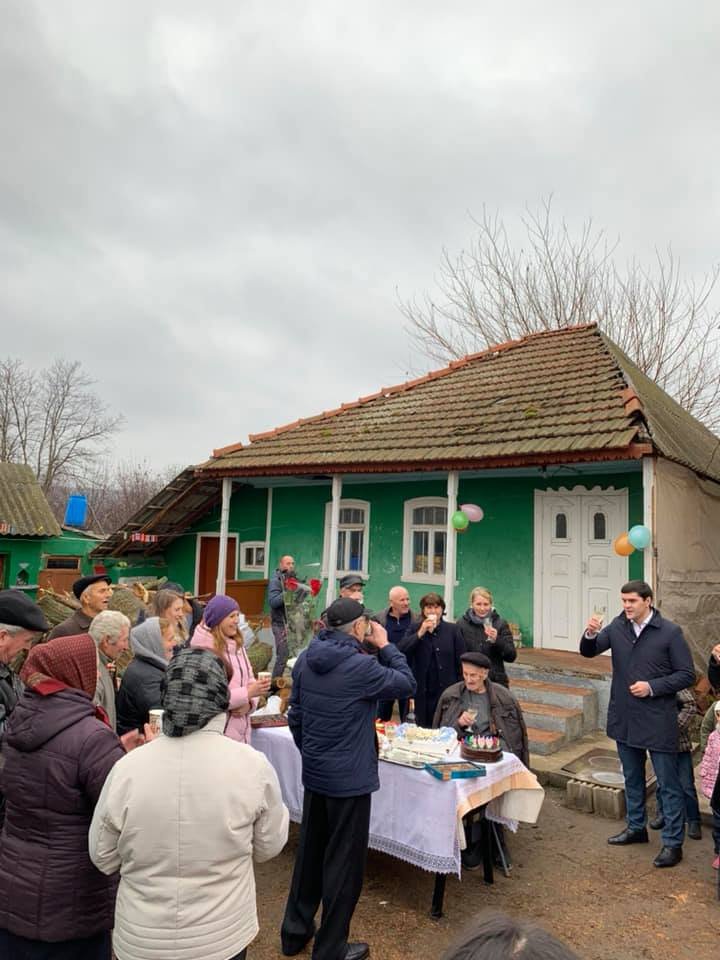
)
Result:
{"points": [[62, 664], [146, 640], [194, 690]]}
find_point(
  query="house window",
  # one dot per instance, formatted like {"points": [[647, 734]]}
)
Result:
{"points": [[425, 540], [561, 526], [252, 556], [353, 537], [599, 527], [62, 563]]}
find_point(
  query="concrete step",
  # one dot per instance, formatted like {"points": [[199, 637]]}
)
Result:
{"points": [[544, 742], [545, 716], [570, 696]]}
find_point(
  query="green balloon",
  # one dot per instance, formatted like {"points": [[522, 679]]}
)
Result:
{"points": [[460, 520]]}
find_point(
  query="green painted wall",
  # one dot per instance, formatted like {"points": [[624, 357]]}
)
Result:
{"points": [[34, 550], [496, 553]]}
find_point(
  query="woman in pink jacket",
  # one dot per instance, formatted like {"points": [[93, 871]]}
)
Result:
{"points": [[219, 632]]}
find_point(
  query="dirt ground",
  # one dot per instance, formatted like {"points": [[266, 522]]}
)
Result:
{"points": [[607, 903]]}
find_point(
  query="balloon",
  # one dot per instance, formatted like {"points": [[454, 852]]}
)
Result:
{"points": [[639, 536], [460, 520], [472, 511], [622, 546]]}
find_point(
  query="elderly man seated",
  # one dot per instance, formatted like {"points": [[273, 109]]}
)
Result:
{"points": [[478, 705]]}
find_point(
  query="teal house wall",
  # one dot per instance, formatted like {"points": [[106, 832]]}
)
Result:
{"points": [[25, 557]]}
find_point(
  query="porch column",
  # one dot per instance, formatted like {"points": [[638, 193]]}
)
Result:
{"points": [[224, 528], [332, 552], [268, 530], [450, 546], [648, 477]]}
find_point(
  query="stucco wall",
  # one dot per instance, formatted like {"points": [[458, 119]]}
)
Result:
{"points": [[687, 539]]}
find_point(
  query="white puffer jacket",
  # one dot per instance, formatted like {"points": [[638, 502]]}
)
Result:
{"points": [[182, 818]]}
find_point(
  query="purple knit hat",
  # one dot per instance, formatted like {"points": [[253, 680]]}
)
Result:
{"points": [[218, 608]]}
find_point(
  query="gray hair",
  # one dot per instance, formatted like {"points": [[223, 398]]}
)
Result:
{"points": [[13, 628], [108, 625], [348, 627]]}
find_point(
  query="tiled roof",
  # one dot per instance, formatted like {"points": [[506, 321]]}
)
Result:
{"points": [[24, 510], [551, 395]]}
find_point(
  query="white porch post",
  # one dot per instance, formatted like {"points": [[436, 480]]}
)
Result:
{"points": [[648, 477], [450, 548], [268, 529], [332, 552], [224, 528]]}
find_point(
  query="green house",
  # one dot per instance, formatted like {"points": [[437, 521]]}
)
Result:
{"points": [[560, 439], [34, 549]]}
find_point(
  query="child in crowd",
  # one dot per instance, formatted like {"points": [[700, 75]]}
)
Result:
{"points": [[687, 709], [709, 768]]}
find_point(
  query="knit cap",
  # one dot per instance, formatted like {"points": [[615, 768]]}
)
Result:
{"points": [[218, 608]]}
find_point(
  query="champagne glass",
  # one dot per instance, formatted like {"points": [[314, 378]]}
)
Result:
{"points": [[472, 714]]}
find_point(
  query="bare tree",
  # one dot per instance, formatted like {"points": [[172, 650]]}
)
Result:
{"points": [[52, 419], [497, 291]]}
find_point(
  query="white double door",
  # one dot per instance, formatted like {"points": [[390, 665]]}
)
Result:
{"points": [[577, 571]]}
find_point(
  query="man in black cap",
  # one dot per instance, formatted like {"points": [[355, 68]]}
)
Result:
{"points": [[350, 587], [94, 595], [21, 621], [336, 686]]}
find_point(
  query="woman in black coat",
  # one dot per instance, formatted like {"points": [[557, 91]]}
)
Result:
{"points": [[152, 643], [484, 631], [433, 649]]}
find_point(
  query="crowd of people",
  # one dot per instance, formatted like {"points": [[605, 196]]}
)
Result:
{"points": [[116, 837]]}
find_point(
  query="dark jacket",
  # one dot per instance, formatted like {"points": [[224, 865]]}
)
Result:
{"points": [[396, 628], [714, 674], [434, 660], [139, 692], [500, 652], [76, 624], [276, 599], [11, 689], [505, 713], [336, 686], [56, 755], [659, 656]]}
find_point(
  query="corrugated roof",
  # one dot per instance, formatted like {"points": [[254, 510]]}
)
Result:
{"points": [[539, 398], [24, 509], [165, 516]]}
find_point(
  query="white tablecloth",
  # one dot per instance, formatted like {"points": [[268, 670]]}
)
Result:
{"points": [[414, 816]]}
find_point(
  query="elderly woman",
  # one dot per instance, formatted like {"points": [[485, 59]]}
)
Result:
{"points": [[484, 631], [433, 648], [152, 644], [58, 749], [223, 630], [183, 824]]}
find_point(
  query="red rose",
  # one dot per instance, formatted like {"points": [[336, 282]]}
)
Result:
{"points": [[291, 584], [315, 587]]}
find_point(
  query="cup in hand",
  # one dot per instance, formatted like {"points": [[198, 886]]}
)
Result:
{"points": [[264, 676], [155, 719]]}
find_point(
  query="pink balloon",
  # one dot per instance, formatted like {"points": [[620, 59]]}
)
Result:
{"points": [[472, 511]]}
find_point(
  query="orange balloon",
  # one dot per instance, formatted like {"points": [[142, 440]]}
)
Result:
{"points": [[622, 546]]}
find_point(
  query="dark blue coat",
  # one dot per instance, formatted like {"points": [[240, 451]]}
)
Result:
{"points": [[660, 656], [336, 686], [434, 660]]}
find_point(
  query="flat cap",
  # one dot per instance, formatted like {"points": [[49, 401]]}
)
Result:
{"points": [[476, 660], [343, 611], [350, 579], [84, 582], [18, 610]]}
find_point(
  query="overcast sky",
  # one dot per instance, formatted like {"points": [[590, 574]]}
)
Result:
{"points": [[214, 207]]}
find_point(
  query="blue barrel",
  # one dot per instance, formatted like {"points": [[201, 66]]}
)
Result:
{"points": [[76, 510]]}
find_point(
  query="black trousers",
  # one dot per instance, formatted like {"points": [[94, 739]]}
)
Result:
{"points": [[329, 869]]}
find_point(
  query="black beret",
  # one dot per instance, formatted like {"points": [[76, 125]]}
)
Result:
{"points": [[84, 582], [350, 579], [476, 660], [343, 611], [18, 610]]}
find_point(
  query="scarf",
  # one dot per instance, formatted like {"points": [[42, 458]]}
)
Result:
{"points": [[146, 641], [474, 618], [194, 690]]}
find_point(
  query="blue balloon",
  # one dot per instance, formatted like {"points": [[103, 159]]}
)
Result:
{"points": [[639, 536]]}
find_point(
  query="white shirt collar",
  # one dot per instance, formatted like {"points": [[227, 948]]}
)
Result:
{"points": [[639, 627]]}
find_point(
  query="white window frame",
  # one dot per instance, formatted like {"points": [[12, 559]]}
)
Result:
{"points": [[349, 505], [408, 528], [255, 567]]}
